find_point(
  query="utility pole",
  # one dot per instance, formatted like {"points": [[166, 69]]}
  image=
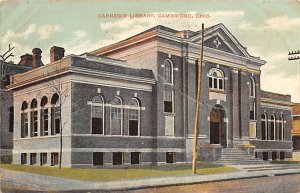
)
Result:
{"points": [[198, 102]]}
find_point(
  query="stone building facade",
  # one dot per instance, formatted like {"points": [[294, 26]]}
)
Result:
{"points": [[133, 103]]}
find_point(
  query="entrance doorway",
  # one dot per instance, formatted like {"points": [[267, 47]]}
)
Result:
{"points": [[217, 126]]}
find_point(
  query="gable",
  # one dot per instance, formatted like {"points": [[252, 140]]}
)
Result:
{"points": [[218, 37], [217, 42]]}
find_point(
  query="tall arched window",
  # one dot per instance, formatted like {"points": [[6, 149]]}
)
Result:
{"points": [[24, 120], [33, 118], [264, 127], [216, 79], [280, 128], [116, 116], [44, 116], [272, 127], [55, 115], [97, 115], [134, 117], [168, 71], [252, 87]]}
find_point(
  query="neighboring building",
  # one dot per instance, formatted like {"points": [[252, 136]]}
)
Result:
{"points": [[139, 107], [296, 131], [7, 109]]}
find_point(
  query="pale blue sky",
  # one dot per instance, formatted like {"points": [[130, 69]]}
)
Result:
{"points": [[269, 29]]}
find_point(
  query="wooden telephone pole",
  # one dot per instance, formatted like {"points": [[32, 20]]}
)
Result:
{"points": [[198, 102]]}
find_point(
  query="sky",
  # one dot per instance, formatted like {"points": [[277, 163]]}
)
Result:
{"points": [[269, 29]]}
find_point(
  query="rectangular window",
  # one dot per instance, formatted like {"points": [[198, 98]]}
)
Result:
{"points": [[170, 157], [32, 158], [57, 119], [11, 119], [23, 158], [265, 155], [44, 122], [116, 121], [168, 101], [221, 84], [43, 158], [98, 158], [133, 122], [97, 120], [215, 83], [252, 111], [135, 157], [34, 123], [54, 159], [24, 125], [263, 130], [210, 82], [117, 158]]}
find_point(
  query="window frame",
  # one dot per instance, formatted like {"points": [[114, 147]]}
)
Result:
{"points": [[170, 79], [172, 100], [137, 108], [34, 116], [215, 79], [252, 88], [273, 129], [101, 105], [265, 120], [24, 120], [44, 121], [120, 108]]}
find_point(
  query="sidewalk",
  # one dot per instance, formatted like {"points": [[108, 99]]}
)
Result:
{"points": [[41, 182]]}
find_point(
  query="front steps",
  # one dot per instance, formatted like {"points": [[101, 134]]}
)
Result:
{"points": [[270, 167], [236, 156]]}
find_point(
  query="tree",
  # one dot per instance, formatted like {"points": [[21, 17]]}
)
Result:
{"points": [[62, 90]]}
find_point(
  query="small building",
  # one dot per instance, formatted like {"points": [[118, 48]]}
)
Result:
{"points": [[296, 131], [132, 103]]}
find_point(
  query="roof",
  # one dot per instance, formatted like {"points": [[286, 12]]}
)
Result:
{"points": [[87, 64]]}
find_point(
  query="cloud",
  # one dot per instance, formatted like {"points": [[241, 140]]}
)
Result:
{"points": [[282, 84], [44, 31], [48, 29], [280, 23]]}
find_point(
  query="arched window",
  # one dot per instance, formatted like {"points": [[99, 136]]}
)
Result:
{"points": [[24, 120], [55, 115], [216, 79], [168, 71], [116, 116], [97, 115], [44, 116], [252, 87], [272, 127], [33, 118], [134, 117], [280, 133], [264, 127]]}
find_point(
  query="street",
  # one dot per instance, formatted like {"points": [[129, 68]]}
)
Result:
{"points": [[276, 184]]}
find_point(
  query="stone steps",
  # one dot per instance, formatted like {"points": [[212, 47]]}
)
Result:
{"points": [[235, 156]]}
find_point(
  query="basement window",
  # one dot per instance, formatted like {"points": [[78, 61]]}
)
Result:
{"points": [[170, 157], [135, 157], [98, 158], [117, 158]]}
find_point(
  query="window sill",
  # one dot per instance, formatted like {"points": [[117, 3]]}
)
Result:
{"points": [[169, 114], [217, 90]]}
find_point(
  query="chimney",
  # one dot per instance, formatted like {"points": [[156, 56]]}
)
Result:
{"points": [[26, 60], [56, 53], [36, 58]]}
